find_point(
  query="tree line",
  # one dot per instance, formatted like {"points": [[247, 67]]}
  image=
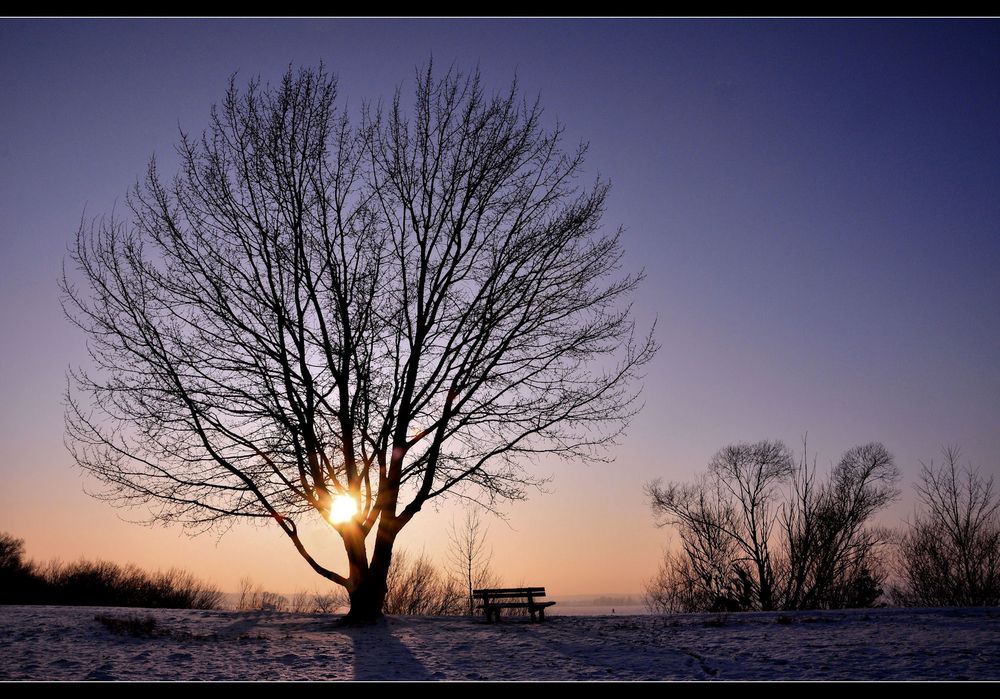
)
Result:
{"points": [[97, 583], [760, 530]]}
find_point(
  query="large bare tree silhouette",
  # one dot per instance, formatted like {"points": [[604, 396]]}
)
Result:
{"points": [[387, 311]]}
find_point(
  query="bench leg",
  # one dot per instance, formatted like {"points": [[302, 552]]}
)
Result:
{"points": [[541, 614]]}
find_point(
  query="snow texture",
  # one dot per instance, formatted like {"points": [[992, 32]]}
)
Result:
{"points": [[68, 643]]}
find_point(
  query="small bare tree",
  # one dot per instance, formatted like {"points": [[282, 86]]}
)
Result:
{"points": [[316, 319], [249, 593], [950, 554], [468, 556]]}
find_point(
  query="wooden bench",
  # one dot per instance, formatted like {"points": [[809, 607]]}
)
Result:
{"points": [[492, 601]]}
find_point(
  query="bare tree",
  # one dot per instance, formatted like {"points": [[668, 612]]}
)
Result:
{"points": [[315, 318], [732, 507], [743, 546], [468, 556], [832, 557], [950, 554]]}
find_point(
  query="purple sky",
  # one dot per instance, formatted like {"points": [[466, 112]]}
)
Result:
{"points": [[816, 203]]}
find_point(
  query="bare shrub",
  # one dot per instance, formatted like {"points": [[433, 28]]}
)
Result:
{"points": [[301, 602], [676, 587], [329, 602], [416, 587], [253, 597], [103, 583]]}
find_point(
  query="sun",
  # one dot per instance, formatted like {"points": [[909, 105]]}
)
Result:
{"points": [[342, 509]]}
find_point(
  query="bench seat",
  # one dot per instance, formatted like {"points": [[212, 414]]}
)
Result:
{"points": [[493, 600]]}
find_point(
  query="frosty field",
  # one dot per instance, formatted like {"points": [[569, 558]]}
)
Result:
{"points": [[67, 643]]}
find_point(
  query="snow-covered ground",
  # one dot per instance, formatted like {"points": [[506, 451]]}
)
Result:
{"points": [[67, 643]]}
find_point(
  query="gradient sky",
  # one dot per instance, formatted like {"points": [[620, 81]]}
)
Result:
{"points": [[816, 204]]}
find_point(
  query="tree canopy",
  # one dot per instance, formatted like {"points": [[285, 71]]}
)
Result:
{"points": [[389, 308]]}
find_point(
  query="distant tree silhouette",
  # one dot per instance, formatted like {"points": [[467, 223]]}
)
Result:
{"points": [[18, 578], [385, 312], [745, 545], [950, 554], [11, 553]]}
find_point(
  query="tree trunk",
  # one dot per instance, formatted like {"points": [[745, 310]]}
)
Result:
{"points": [[369, 581], [367, 598]]}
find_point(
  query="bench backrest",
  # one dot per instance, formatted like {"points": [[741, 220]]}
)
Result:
{"points": [[509, 592]]}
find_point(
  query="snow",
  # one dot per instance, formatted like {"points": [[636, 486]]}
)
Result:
{"points": [[67, 643]]}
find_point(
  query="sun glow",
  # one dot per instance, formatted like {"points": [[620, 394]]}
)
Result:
{"points": [[342, 509]]}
